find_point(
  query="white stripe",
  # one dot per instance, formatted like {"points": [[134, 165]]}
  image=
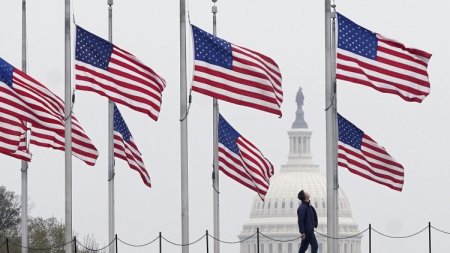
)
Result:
{"points": [[380, 155], [259, 165], [261, 69], [118, 78], [232, 73], [234, 95], [364, 162], [383, 66], [238, 167], [400, 50], [159, 81], [147, 87], [270, 67], [134, 161], [124, 99]]}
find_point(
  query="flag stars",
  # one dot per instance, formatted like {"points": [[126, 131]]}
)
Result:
{"points": [[211, 49], [92, 49], [356, 39]]}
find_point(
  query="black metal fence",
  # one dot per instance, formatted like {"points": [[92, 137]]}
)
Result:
{"points": [[6, 243]]}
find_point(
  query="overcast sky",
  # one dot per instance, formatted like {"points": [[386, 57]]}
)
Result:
{"points": [[292, 33]]}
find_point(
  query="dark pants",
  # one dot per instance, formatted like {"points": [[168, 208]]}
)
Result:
{"points": [[310, 238]]}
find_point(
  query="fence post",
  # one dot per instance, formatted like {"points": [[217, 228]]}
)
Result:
{"points": [[207, 243], [370, 238], [257, 240], [160, 242], [117, 250], [7, 245], [75, 242], [429, 236]]}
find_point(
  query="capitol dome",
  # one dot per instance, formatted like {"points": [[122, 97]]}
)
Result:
{"points": [[276, 217]]}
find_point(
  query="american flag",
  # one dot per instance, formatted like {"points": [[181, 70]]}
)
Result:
{"points": [[104, 68], [242, 161], [235, 74], [28, 100], [384, 64], [361, 155], [126, 149], [12, 138]]}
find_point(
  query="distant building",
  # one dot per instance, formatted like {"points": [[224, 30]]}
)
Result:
{"points": [[277, 216]]}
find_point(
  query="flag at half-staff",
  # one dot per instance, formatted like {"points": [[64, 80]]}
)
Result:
{"points": [[110, 71], [28, 100], [125, 148], [12, 137], [235, 74], [242, 161], [370, 59], [362, 156]]}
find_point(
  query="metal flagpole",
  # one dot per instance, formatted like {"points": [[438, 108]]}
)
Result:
{"points": [[215, 154], [183, 133], [331, 129], [24, 165], [68, 132], [111, 172]]}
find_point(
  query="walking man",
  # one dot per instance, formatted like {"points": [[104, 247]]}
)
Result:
{"points": [[307, 221]]}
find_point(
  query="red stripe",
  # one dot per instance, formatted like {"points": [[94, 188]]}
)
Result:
{"points": [[364, 167], [250, 63], [161, 82], [128, 86], [383, 71], [119, 101], [263, 57], [221, 96], [130, 157], [402, 66], [234, 90], [224, 164], [149, 82], [369, 178], [413, 51], [263, 169], [359, 155], [237, 80]]}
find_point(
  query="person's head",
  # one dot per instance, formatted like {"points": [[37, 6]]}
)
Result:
{"points": [[303, 196]]}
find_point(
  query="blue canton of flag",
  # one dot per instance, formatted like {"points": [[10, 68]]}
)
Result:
{"points": [[109, 71], [349, 133], [211, 49], [235, 74], [356, 39], [362, 156], [92, 49], [242, 161], [126, 149], [370, 59]]}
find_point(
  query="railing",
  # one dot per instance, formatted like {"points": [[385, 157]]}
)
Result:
{"points": [[6, 243]]}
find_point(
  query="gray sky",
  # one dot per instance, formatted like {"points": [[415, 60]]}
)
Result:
{"points": [[292, 33]]}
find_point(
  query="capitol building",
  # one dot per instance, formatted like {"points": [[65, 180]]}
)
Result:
{"points": [[276, 217]]}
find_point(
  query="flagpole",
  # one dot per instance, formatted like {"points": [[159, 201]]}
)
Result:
{"points": [[216, 192], [68, 132], [331, 129], [111, 172], [183, 133], [24, 164]]}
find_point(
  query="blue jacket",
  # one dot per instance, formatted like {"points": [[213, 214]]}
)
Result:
{"points": [[307, 217]]}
